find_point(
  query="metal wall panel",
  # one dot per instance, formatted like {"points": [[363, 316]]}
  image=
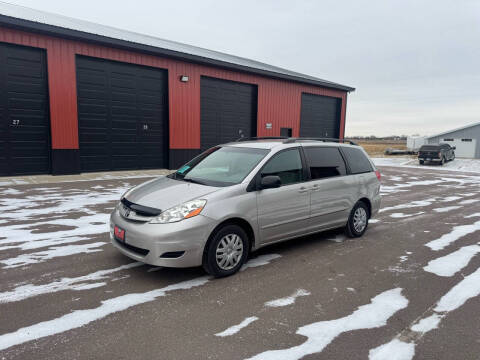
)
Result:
{"points": [[279, 101]]}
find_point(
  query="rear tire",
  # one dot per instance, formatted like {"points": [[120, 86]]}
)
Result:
{"points": [[358, 220], [420, 162], [226, 251], [443, 161]]}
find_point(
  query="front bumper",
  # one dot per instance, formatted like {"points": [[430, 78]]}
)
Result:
{"points": [[187, 237]]}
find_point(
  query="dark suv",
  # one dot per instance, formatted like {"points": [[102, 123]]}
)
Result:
{"points": [[436, 153]]}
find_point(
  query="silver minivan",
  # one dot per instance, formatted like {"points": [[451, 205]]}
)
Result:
{"points": [[238, 197]]}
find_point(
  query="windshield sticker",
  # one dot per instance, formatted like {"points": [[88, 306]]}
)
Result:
{"points": [[183, 169]]}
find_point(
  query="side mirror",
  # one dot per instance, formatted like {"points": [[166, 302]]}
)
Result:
{"points": [[454, 147], [270, 182]]}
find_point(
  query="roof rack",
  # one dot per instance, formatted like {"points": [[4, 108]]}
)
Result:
{"points": [[263, 138], [293, 140]]}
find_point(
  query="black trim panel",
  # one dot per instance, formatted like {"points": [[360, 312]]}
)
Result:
{"points": [[65, 161]]}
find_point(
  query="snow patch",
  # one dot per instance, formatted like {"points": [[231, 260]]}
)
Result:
{"points": [[413, 204], [77, 283], [402, 215], [456, 233], [450, 264], [451, 198], [373, 221], [79, 318], [236, 328], [446, 209], [394, 350], [472, 215], [322, 333], [50, 253], [260, 261], [467, 165], [427, 324], [469, 201], [466, 289], [289, 300]]}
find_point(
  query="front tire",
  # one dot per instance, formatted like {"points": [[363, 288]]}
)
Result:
{"points": [[227, 251], [420, 162], [358, 220]]}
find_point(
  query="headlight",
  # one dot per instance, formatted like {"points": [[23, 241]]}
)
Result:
{"points": [[180, 212]]}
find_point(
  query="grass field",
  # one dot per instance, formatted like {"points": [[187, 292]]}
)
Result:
{"points": [[377, 147]]}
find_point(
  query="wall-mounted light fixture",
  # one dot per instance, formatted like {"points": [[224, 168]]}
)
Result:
{"points": [[184, 78]]}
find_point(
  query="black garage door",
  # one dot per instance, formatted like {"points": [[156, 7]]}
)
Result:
{"points": [[320, 116], [228, 109], [24, 112], [122, 115]]}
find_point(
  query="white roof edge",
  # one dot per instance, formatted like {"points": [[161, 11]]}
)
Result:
{"points": [[73, 24], [453, 130]]}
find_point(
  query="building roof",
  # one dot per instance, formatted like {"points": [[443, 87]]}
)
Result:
{"points": [[25, 18], [451, 131]]}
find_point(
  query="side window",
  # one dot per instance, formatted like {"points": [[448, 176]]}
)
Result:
{"points": [[357, 160], [287, 165], [324, 162]]}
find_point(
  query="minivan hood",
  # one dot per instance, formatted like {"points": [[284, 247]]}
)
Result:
{"points": [[164, 193]]}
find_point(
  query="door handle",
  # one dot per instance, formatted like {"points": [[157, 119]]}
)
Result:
{"points": [[315, 187], [302, 189]]}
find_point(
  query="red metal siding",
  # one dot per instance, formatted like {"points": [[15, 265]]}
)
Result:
{"points": [[279, 101]]}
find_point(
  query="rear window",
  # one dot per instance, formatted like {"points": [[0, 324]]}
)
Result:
{"points": [[357, 161], [324, 162], [429, 148]]}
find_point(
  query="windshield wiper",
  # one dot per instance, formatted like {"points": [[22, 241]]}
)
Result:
{"points": [[192, 181]]}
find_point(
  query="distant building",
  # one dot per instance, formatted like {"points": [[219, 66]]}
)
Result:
{"points": [[466, 140], [77, 97]]}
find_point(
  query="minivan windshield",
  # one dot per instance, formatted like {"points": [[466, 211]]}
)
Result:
{"points": [[221, 166]]}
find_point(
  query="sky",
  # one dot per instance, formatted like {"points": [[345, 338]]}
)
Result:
{"points": [[415, 64]]}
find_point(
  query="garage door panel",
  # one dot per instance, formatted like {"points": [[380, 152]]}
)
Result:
{"points": [[320, 116], [20, 88], [24, 120], [26, 166], [226, 108], [465, 147], [133, 96], [124, 98]]}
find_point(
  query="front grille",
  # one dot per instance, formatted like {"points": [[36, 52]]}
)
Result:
{"points": [[134, 249]]}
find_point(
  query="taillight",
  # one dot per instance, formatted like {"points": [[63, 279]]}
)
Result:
{"points": [[379, 176], [439, 154]]}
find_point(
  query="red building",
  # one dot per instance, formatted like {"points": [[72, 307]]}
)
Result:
{"points": [[77, 96]]}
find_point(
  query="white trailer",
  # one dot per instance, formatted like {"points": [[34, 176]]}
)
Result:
{"points": [[415, 142]]}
